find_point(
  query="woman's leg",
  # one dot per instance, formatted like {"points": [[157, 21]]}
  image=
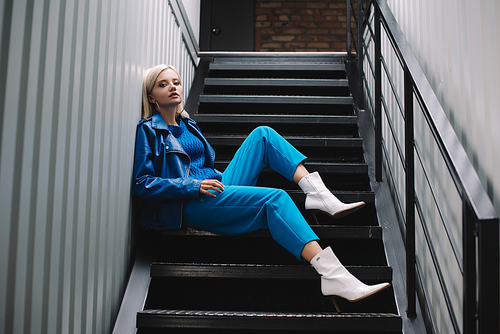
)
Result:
{"points": [[300, 172], [241, 209], [263, 147], [310, 250]]}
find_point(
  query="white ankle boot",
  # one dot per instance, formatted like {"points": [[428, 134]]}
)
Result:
{"points": [[336, 281], [319, 198]]}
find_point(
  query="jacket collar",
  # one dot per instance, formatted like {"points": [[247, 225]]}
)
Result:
{"points": [[158, 122]]}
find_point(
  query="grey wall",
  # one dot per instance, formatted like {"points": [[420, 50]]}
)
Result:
{"points": [[457, 44], [70, 85]]}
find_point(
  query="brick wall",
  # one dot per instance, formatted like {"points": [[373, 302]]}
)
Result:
{"points": [[301, 25]]}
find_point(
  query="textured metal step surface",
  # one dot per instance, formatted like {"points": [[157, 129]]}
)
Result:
{"points": [[284, 321], [324, 231], [262, 99], [273, 119], [275, 57], [368, 197], [273, 66], [322, 168], [277, 69], [260, 271], [280, 82], [277, 86], [316, 149], [296, 141]]}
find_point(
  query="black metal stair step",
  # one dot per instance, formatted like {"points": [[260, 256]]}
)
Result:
{"points": [[273, 66], [280, 82], [367, 250], [368, 197], [276, 119], [298, 125], [261, 271], [322, 168], [276, 104], [317, 148], [339, 176], [277, 86], [282, 321], [273, 57], [282, 71], [277, 99], [296, 141], [364, 217], [323, 231]]}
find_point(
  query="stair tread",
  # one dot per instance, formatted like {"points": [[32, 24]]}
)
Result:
{"points": [[282, 66], [326, 164], [289, 321], [273, 57], [259, 271], [268, 314], [277, 82], [345, 196], [321, 167], [318, 141], [324, 231], [277, 99], [269, 119]]}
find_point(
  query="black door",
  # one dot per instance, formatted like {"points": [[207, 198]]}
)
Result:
{"points": [[226, 25]]}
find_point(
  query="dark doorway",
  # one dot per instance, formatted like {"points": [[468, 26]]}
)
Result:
{"points": [[227, 25]]}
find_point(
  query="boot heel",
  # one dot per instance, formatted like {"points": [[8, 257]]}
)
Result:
{"points": [[334, 301], [313, 213]]}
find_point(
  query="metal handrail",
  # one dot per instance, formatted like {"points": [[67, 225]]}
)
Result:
{"points": [[479, 219]]}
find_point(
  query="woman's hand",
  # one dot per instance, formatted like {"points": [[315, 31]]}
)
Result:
{"points": [[207, 185]]}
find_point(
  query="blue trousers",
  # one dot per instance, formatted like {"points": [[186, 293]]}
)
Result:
{"points": [[242, 207]]}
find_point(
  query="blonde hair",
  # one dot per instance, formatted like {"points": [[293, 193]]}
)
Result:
{"points": [[148, 82]]}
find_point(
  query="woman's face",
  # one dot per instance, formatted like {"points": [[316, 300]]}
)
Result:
{"points": [[167, 91]]}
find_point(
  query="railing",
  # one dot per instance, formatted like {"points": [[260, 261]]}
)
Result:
{"points": [[478, 259]]}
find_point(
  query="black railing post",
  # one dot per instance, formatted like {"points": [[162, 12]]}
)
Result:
{"points": [[488, 276], [410, 194], [378, 98], [469, 275], [361, 99], [348, 13]]}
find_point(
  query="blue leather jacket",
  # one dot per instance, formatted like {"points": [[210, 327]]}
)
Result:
{"points": [[161, 173]]}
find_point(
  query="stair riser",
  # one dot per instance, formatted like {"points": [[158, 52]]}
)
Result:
{"points": [[264, 324], [273, 90], [231, 73], [275, 109], [334, 181], [305, 272], [255, 295], [241, 249], [313, 154], [285, 129]]}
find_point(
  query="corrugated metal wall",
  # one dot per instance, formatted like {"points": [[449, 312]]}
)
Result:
{"points": [[70, 85], [456, 43]]}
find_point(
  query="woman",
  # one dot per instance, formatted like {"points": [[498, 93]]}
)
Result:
{"points": [[174, 175]]}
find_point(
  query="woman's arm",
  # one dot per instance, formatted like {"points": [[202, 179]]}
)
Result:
{"points": [[149, 186]]}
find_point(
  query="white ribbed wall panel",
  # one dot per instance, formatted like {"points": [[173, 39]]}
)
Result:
{"points": [[456, 44], [70, 99]]}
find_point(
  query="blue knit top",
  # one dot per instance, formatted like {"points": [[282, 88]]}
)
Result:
{"points": [[194, 147]]}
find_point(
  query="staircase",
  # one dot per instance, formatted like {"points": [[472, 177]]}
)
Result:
{"points": [[204, 282]]}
